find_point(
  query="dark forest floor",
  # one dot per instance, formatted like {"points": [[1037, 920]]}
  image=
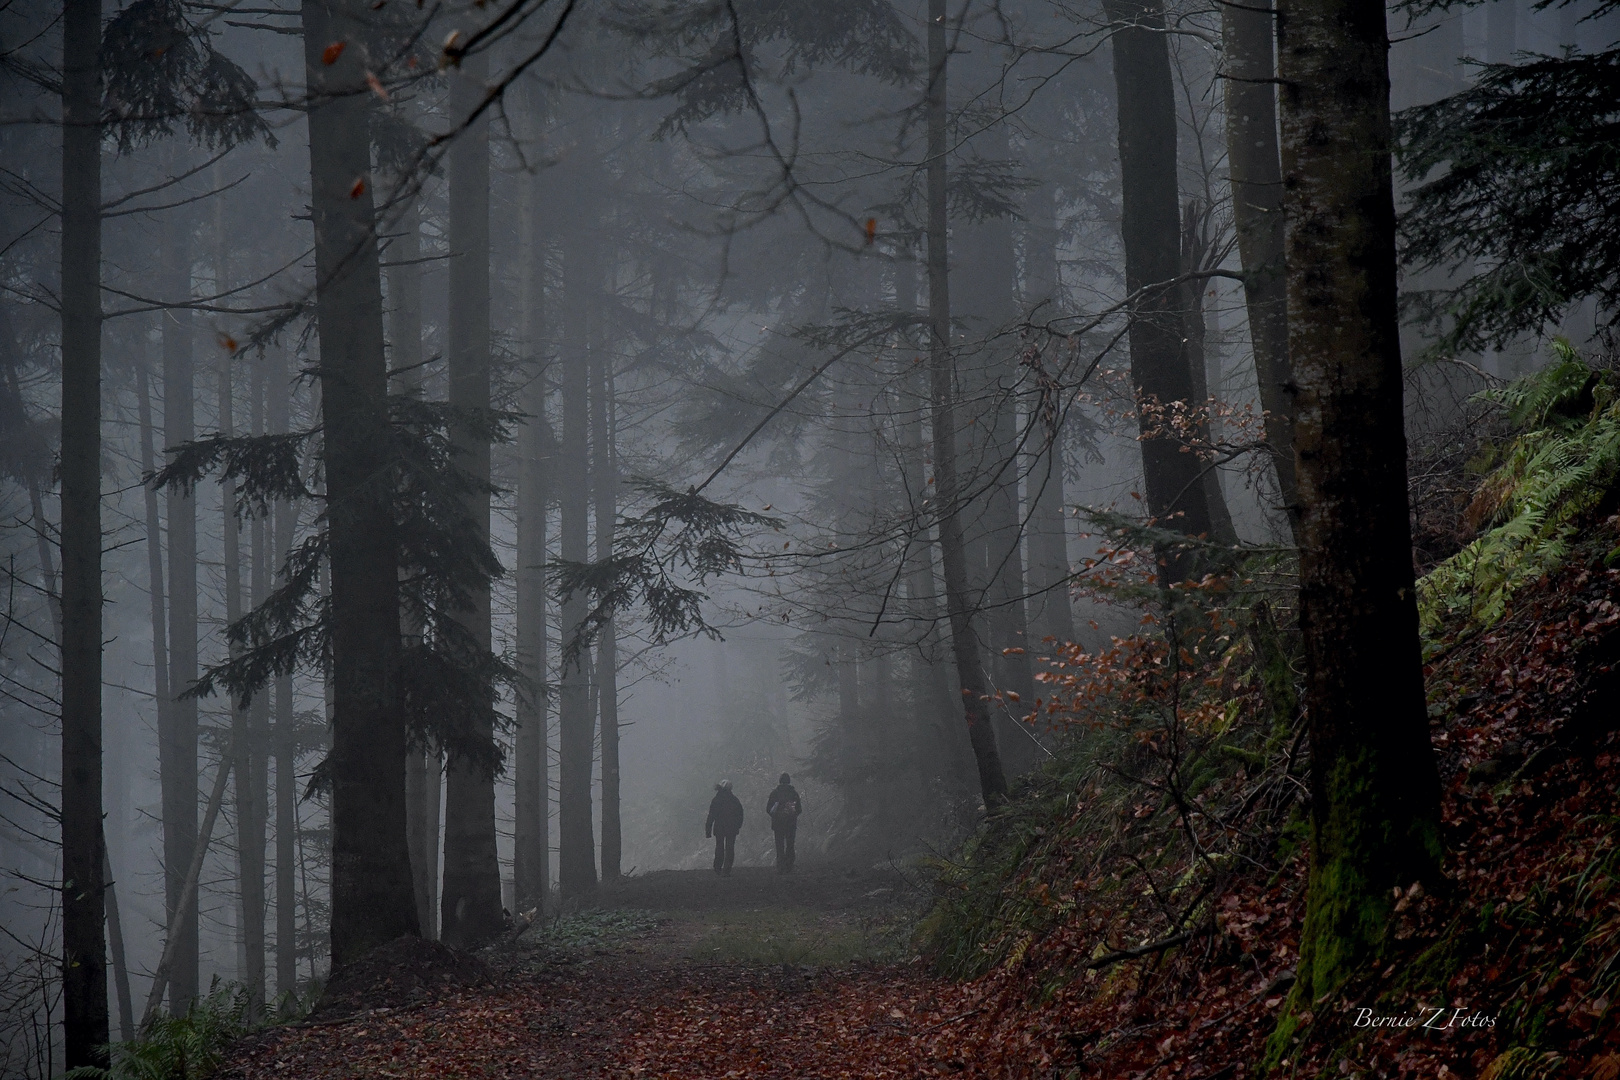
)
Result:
{"points": [[675, 974]]}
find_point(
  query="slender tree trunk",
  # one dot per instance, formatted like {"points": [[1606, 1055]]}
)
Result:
{"points": [[284, 734], [115, 946], [1151, 228], [154, 555], [249, 855], [988, 273], [423, 773], [258, 731], [947, 497], [84, 942], [188, 887], [372, 897], [1194, 249], [1247, 39], [604, 486], [471, 908], [531, 855], [1051, 614], [576, 855], [154, 579], [177, 741], [1374, 788]]}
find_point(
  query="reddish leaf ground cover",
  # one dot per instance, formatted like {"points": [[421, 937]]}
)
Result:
{"points": [[1510, 976]]}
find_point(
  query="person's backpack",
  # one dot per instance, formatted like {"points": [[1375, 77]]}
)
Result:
{"points": [[786, 811]]}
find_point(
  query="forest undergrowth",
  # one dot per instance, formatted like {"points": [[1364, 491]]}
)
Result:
{"points": [[1134, 911]]}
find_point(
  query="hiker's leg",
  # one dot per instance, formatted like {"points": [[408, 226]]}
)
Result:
{"points": [[719, 852], [781, 848], [791, 833]]}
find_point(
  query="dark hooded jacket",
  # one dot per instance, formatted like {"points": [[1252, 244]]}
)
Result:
{"points": [[784, 806], [725, 815]]}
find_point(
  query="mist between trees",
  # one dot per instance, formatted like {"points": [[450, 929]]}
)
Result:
{"points": [[441, 441]]}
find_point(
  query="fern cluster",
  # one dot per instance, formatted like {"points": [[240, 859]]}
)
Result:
{"points": [[192, 1045], [1550, 479]]}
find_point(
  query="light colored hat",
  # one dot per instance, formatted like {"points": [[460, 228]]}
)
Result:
{"points": [[724, 785]]}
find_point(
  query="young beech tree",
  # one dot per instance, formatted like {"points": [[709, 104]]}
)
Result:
{"points": [[1249, 64], [1374, 788], [1151, 228]]}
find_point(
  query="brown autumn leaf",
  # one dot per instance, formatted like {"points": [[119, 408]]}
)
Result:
{"points": [[359, 188], [330, 54], [376, 86]]}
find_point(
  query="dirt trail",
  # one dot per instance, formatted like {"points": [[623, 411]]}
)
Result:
{"points": [[673, 974]]}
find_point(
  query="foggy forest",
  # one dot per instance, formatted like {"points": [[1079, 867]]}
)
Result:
{"points": [[771, 538]]}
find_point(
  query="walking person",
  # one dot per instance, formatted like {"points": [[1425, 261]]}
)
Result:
{"points": [[784, 807], [725, 822]]}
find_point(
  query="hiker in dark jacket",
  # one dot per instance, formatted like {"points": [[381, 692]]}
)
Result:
{"points": [[784, 806], [725, 822]]}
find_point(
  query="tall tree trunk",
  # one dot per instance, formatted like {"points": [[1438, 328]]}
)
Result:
{"points": [[84, 941], [988, 273], [115, 947], [258, 729], [177, 740], [1194, 250], [604, 486], [1374, 788], [1151, 228], [249, 855], [1247, 40], [1051, 614], [372, 897], [189, 879], [154, 554], [284, 735], [531, 854], [576, 854], [424, 775], [471, 908], [947, 497]]}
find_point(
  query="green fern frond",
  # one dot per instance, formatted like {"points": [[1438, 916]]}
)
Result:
{"points": [[1549, 479]]}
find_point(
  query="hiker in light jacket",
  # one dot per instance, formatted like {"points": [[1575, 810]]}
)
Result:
{"points": [[725, 822]]}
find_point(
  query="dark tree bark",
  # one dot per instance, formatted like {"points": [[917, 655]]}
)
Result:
{"points": [[947, 495], [284, 735], [471, 908], [424, 773], [986, 272], [373, 900], [1255, 169], [1051, 614], [531, 854], [1151, 229], [1374, 788], [1195, 249], [115, 948], [576, 852], [604, 486], [249, 833], [84, 940], [177, 736], [258, 726]]}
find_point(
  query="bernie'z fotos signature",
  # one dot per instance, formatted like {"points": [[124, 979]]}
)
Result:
{"points": [[1432, 1019]]}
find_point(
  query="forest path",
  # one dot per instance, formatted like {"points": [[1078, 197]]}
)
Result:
{"points": [[678, 974]]}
